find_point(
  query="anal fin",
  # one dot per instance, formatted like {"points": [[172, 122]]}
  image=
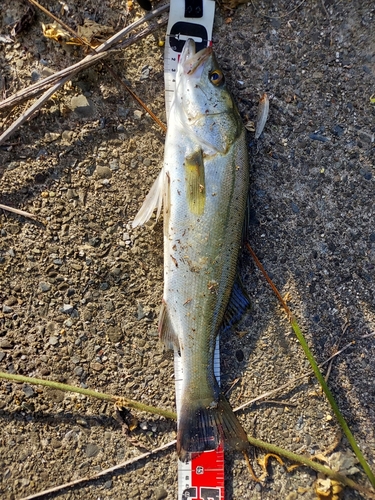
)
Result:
{"points": [[166, 331]]}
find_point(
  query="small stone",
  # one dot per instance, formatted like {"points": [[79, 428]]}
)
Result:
{"points": [[78, 370], [12, 301], [71, 194], [56, 443], [103, 172], [53, 340], [28, 391], [108, 484], [81, 105], [140, 313], [137, 114], [240, 355], [160, 493], [44, 287], [2, 355], [114, 334], [51, 136], [114, 165], [92, 450], [34, 76], [98, 367], [294, 207], [7, 309], [338, 131], [67, 309]]}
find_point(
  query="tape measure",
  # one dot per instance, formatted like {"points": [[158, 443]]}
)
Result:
{"points": [[187, 19], [203, 477]]}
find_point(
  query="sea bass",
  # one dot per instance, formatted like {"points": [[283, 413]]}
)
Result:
{"points": [[203, 186]]}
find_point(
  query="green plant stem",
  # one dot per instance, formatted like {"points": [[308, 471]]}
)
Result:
{"points": [[271, 448], [121, 401], [169, 414], [317, 372]]}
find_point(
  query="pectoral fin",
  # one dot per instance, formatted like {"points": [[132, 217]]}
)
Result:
{"points": [[195, 182], [153, 200]]}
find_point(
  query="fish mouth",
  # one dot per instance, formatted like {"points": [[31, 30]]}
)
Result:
{"points": [[193, 61]]}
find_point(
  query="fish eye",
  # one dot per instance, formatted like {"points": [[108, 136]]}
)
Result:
{"points": [[216, 77]]}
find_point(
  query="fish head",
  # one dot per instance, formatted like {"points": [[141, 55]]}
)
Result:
{"points": [[203, 102]]}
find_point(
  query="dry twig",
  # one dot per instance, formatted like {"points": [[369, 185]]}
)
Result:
{"points": [[17, 211], [65, 75]]}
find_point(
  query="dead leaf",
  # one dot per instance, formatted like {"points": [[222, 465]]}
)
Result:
{"points": [[55, 32]]}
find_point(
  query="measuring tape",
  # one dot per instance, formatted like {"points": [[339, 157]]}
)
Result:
{"points": [[187, 19], [203, 477]]}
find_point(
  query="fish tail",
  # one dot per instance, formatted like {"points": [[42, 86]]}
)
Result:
{"points": [[203, 428]]}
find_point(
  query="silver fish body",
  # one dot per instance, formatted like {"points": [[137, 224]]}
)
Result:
{"points": [[204, 186]]}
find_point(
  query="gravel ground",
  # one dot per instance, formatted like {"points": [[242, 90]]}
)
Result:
{"points": [[80, 294]]}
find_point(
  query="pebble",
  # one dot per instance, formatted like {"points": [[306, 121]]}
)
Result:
{"points": [[67, 309], [5, 344], [338, 130], [160, 493], [98, 367], [92, 450], [108, 484], [12, 301], [78, 370], [44, 287], [82, 106], [28, 391], [137, 114], [114, 165], [53, 340], [114, 334], [103, 172], [56, 443], [140, 312], [2, 355], [319, 137], [51, 136], [294, 207], [7, 309]]}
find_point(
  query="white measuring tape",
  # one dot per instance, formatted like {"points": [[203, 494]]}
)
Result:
{"points": [[180, 28], [203, 477]]}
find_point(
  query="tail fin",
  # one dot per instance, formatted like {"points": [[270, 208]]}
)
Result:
{"points": [[201, 429]]}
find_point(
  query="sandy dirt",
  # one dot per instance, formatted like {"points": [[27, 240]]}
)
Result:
{"points": [[80, 294]]}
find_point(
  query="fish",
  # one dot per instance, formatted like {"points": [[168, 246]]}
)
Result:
{"points": [[203, 188]]}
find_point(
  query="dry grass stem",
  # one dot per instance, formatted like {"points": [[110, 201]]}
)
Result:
{"points": [[102, 473], [17, 211], [65, 75]]}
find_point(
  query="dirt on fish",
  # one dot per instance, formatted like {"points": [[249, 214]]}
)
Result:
{"points": [[80, 291]]}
